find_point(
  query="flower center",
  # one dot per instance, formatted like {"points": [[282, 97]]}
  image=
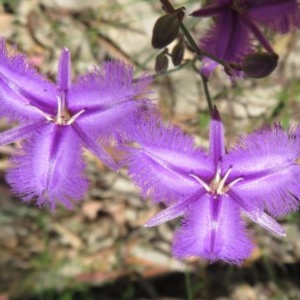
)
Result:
{"points": [[218, 185], [63, 116]]}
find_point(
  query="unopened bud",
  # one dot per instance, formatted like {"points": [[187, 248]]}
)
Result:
{"points": [[161, 63], [165, 30], [259, 65], [177, 53]]}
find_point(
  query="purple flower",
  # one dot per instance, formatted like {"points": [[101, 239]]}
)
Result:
{"points": [[59, 120], [257, 178], [230, 36]]}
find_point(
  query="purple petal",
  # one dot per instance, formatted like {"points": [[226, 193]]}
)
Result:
{"points": [[278, 15], [216, 137], [95, 148], [21, 87], [267, 160], [163, 160], [214, 230], [258, 216], [14, 134], [111, 97], [266, 222], [208, 66], [228, 38], [64, 70], [258, 34], [50, 168], [174, 211]]}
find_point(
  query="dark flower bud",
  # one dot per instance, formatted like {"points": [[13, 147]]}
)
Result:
{"points": [[177, 53], [165, 30], [259, 65], [161, 63]]}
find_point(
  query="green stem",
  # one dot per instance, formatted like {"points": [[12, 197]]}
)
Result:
{"points": [[207, 94], [200, 52], [187, 63], [188, 286]]}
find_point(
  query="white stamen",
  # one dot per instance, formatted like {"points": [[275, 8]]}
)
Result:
{"points": [[217, 177], [222, 182], [60, 106], [217, 185], [205, 185], [46, 116], [73, 119], [231, 184]]}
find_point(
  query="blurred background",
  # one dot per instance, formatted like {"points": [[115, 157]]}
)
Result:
{"points": [[100, 250]]}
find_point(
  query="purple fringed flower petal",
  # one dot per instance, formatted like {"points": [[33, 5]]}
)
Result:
{"points": [[228, 38], [50, 168], [95, 148], [267, 160], [14, 134], [163, 160], [255, 30], [281, 16], [173, 211], [266, 222], [213, 229], [21, 88], [111, 98]]}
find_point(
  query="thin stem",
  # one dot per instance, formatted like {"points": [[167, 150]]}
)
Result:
{"points": [[188, 285], [199, 52], [187, 63], [189, 38], [207, 94]]}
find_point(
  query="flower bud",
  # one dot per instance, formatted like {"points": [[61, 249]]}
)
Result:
{"points": [[165, 30], [259, 65], [161, 63], [177, 53]]}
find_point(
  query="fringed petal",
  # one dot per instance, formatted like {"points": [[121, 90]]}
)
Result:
{"points": [[49, 168], [256, 215], [228, 38], [213, 229], [95, 148], [111, 97], [266, 222], [257, 33], [21, 132], [21, 88], [174, 211], [162, 161], [281, 16], [267, 160]]}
